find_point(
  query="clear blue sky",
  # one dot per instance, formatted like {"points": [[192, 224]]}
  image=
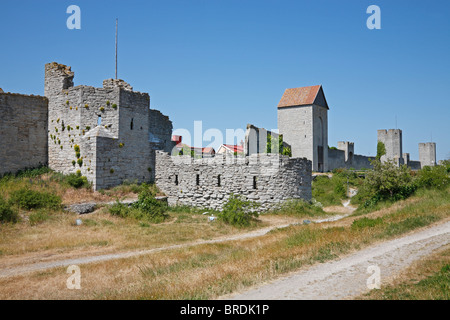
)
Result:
{"points": [[228, 62]]}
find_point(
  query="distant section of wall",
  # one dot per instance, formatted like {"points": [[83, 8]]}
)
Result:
{"points": [[267, 179], [336, 159], [23, 132], [414, 165]]}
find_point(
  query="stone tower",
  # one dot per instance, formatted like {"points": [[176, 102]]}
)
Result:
{"points": [[348, 148], [101, 132], [303, 122], [427, 154], [392, 140]]}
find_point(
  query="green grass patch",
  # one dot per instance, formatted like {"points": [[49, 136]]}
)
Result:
{"points": [[303, 237], [366, 223], [411, 223], [300, 208]]}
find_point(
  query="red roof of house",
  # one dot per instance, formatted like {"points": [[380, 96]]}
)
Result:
{"points": [[299, 96], [177, 139], [234, 148]]}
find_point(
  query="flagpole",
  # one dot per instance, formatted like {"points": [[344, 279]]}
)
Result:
{"points": [[117, 25]]}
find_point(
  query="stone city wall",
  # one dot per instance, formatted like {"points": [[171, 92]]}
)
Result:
{"points": [[23, 132], [266, 179]]}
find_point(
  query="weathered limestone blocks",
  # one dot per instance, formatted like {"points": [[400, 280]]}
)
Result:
{"points": [[267, 179]]}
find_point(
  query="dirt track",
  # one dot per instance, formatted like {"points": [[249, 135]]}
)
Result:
{"points": [[347, 277]]}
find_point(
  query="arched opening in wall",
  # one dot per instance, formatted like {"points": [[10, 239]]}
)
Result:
{"points": [[350, 157], [132, 124], [320, 146], [99, 120]]}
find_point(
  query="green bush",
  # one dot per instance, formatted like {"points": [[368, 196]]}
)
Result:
{"points": [[238, 212], [30, 199], [7, 214], [77, 181], [386, 182], [433, 177], [147, 208], [329, 191]]}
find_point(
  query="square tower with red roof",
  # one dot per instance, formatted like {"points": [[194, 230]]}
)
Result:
{"points": [[303, 122]]}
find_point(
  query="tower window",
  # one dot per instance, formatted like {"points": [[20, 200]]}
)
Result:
{"points": [[176, 179], [254, 182], [197, 180], [218, 180], [99, 121], [131, 124]]}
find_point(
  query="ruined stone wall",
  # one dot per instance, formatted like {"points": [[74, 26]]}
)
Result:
{"points": [[23, 132], [267, 179], [256, 140], [160, 131], [109, 125], [73, 113]]}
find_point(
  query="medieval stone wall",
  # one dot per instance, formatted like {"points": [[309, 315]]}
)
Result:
{"points": [[267, 179], [337, 159], [23, 132]]}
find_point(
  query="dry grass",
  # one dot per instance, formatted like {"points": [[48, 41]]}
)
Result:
{"points": [[100, 232], [213, 270]]}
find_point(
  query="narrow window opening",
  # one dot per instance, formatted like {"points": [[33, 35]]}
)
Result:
{"points": [[218, 180], [254, 182], [132, 124], [176, 179], [99, 121], [197, 181]]}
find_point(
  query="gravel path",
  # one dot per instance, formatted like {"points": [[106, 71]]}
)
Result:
{"points": [[347, 277]]}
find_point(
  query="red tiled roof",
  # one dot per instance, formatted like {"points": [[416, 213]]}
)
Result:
{"points": [[299, 96], [177, 139], [234, 148]]}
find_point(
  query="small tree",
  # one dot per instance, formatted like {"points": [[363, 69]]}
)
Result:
{"points": [[381, 150]]}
